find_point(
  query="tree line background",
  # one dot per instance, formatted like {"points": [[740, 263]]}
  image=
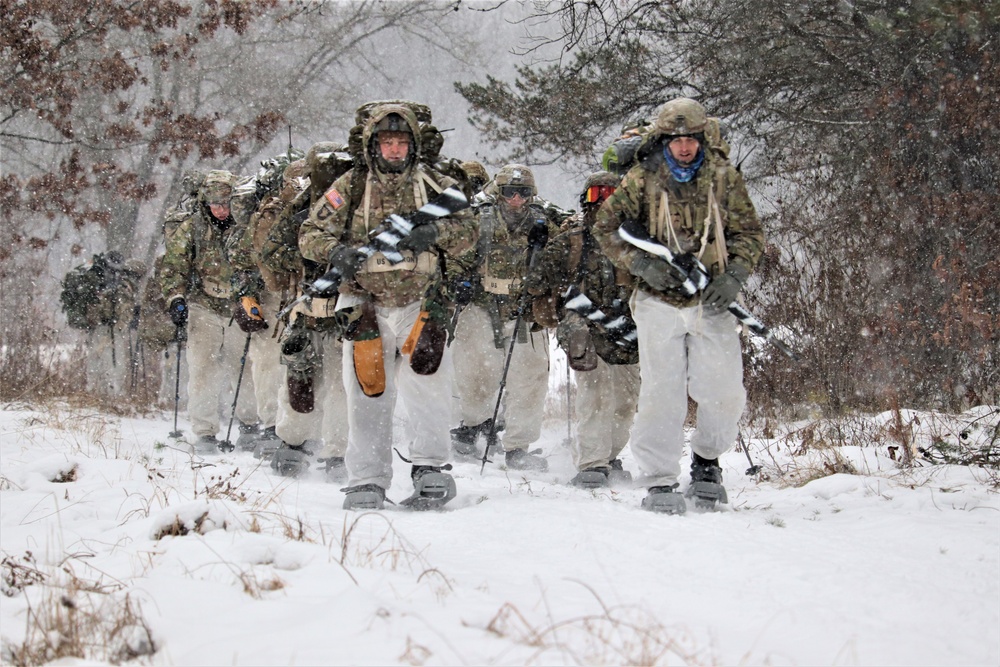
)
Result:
{"points": [[867, 132]]}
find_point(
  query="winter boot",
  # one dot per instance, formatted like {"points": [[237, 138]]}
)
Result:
{"points": [[595, 477], [249, 433], [364, 497], [463, 441], [663, 500], [290, 460], [706, 483], [334, 468], [496, 447], [266, 444], [618, 475], [431, 488], [205, 444], [522, 459]]}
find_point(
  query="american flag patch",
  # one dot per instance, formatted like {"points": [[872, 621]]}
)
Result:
{"points": [[334, 198]]}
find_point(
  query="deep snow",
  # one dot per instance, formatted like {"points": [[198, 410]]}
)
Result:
{"points": [[888, 566]]}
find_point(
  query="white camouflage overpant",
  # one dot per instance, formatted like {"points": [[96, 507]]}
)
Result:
{"points": [[265, 352], [328, 420], [213, 357], [684, 351], [605, 404], [479, 366], [422, 399]]}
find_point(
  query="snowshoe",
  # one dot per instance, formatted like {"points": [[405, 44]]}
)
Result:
{"points": [[364, 497], [266, 444], [618, 476], [290, 460], [463, 441], [431, 488], [249, 434], [591, 478], [522, 459], [663, 500], [205, 444], [334, 467], [706, 483]]}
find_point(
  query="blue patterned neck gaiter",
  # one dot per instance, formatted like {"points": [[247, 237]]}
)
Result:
{"points": [[683, 174]]}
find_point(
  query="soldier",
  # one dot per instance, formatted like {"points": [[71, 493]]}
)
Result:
{"points": [[200, 287], [606, 365], [688, 196], [492, 284], [383, 302], [478, 177]]}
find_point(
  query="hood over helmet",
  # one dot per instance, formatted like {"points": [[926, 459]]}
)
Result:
{"points": [[217, 188], [390, 118]]}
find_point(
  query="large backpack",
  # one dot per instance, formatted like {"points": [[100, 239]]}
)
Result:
{"points": [[91, 292]]}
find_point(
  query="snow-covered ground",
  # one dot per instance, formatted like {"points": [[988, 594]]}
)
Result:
{"points": [[871, 565]]}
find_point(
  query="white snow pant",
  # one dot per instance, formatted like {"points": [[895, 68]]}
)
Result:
{"points": [[479, 367], [213, 355], [424, 400], [328, 420], [688, 351], [605, 402], [265, 352]]}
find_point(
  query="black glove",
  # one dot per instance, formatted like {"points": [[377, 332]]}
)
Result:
{"points": [[178, 310], [345, 260], [724, 288], [656, 272], [464, 289], [248, 315], [420, 238]]}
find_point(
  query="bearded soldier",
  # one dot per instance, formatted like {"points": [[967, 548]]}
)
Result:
{"points": [[393, 346], [684, 193], [510, 221], [604, 358], [202, 289]]}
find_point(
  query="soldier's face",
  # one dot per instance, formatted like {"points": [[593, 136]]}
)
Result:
{"points": [[394, 146], [684, 149], [219, 211]]}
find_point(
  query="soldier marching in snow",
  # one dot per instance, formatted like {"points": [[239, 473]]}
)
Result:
{"points": [[493, 288], [606, 364], [202, 289], [684, 193], [393, 346]]}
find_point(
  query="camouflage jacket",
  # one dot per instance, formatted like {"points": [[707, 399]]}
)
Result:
{"points": [[206, 264], [649, 188], [500, 257], [384, 194], [574, 258]]}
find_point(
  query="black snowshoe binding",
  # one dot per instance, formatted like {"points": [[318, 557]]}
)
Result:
{"points": [[431, 488], [664, 500], [463, 439], [266, 443], [290, 460], [334, 467], [522, 459], [595, 477], [364, 497], [618, 476], [249, 434], [206, 444], [706, 483]]}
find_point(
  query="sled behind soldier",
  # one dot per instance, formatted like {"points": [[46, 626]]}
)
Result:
{"points": [[592, 328], [683, 194], [397, 317], [202, 290]]}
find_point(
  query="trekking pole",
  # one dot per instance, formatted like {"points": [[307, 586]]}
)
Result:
{"points": [[569, 407], [753, 469], [225, 445], [177, 384]]}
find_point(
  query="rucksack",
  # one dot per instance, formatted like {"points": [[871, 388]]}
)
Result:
{"points": [[90, 292]]}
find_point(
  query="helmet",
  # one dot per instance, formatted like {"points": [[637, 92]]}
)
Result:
{"points": [[598, 187], [218, 187], [515, 175], [681, 116], [476, 173], [392, 122]]}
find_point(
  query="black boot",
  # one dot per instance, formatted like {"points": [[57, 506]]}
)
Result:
{"points": [[706, 483], [463, 440], [432, 488]]}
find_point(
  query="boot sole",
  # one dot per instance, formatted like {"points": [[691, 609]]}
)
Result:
{"points": [[363, 500], [707, 494], [665, 503], [590, 480]]}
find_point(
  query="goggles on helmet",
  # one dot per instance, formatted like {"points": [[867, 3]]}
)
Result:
{"points": [[595, 194], [508, 191]]}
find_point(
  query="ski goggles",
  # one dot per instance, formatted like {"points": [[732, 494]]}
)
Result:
{"points": [[595, 194], [508, 191]]}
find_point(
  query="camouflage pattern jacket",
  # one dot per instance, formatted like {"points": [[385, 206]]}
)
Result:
{"points": [[574, 258], [384, 194], [203, 263], [649, 190], [500, 258]]}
